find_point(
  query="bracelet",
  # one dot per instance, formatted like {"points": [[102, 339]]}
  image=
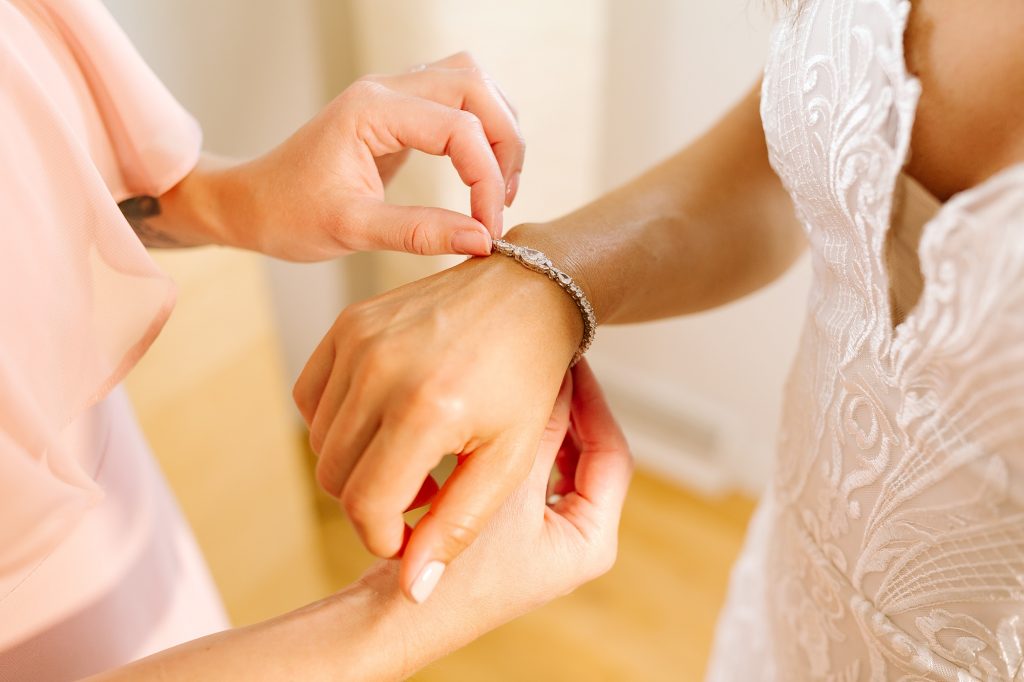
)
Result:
{"points": [[538, 262]]}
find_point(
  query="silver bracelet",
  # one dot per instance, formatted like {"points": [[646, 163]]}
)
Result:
{"points": [[538, 262]]}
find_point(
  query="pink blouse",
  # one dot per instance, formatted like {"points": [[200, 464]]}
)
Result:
{"points": [[96, 564]]}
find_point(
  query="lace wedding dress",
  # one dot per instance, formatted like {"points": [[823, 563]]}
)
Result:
{"points": [[890, 544]]}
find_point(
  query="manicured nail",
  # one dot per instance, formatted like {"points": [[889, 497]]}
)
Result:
{"points": [[497, 223], [426, 581], [471, 243], [511, 188]]}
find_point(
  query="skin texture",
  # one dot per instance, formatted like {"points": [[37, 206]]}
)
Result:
{"points": [[320, 194], [970, 119], [705, 227], [469, 361], [529, 553]]}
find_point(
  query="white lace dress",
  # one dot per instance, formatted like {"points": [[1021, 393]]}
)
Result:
{"points": [[890, 545]]}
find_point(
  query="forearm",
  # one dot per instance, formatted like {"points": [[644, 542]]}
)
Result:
{"points": [[705, 227], [368, 631], [201, 209]]}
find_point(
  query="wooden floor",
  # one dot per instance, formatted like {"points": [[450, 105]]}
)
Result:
{"points": [[213, 401], [651, 618]]}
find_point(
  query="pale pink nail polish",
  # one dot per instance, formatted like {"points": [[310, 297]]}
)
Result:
{"points": [[498, 223], [512, 188], [471, 243], [426, 581]]}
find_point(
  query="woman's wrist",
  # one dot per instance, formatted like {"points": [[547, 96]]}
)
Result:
{"points": [[404, 636], [531, 299], [203, 208], [566, 253]]}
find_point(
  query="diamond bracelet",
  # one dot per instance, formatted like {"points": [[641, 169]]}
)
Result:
{"points": [[538, 262]]}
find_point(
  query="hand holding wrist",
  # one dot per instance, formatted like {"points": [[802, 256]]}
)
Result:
{"points": [[529, 553]]}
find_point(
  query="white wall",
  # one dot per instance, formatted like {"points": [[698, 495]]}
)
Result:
{"points": [[673, 68], [548, 58], [252, 72], [604, 89]]}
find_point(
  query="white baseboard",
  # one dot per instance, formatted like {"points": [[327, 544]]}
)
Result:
{"points": [[676, 433]]}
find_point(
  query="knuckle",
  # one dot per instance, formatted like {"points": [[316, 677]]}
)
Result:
{"points": [[317, 435], [468, 122], [303, 401], [354, 325], [358, 506], [326, 477], [382, 546], [371, 83], [373, 361], [347, 321], [457, 532], [416, 238], [318, 431], [433, 403], [465, 57], [360, 90]]}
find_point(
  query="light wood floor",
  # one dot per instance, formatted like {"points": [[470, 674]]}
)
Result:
{"points": [[212, 399], [651, 618]]}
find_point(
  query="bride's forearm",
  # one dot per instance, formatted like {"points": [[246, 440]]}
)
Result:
{"points": [[705, 227]]}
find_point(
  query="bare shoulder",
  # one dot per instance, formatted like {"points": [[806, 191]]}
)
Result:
{"points": [[969, 57]]}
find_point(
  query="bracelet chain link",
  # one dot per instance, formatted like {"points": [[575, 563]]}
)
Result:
{"points": [[538, 262]]}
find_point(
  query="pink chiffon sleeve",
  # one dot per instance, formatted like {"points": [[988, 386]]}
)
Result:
{"points": [[80, 299]]}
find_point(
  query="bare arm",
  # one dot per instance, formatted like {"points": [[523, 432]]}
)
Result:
{"points": [[192, 213], [530, 554], [320, 194], [357, 634], [709, 225], [469, 360]]}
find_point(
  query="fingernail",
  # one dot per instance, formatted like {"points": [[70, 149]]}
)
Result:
{"points": [[471, 243], [426, 581], [511, 188], [498, 221]]}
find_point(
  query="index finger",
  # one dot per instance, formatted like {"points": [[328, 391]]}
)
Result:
{"points": [[436, 129], [386, 479], [471, 90]]}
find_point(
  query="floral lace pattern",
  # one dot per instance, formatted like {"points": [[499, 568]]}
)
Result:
{"points": [[893, 533]]}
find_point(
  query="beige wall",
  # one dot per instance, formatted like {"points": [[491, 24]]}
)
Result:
{"points": [[212, 394], [604, 87], [549, 59], [700, 396]]}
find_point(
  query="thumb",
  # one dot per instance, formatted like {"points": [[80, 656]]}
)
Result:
{"points": [[471, 495], [418, 229]]}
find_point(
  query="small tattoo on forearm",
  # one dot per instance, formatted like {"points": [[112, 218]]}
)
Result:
{"points": [[137, 211]]}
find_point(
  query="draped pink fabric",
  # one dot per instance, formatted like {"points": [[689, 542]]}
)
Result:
{"points": [[83, 124]]}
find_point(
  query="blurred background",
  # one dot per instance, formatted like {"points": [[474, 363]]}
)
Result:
{"points": [[604, 89]]}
